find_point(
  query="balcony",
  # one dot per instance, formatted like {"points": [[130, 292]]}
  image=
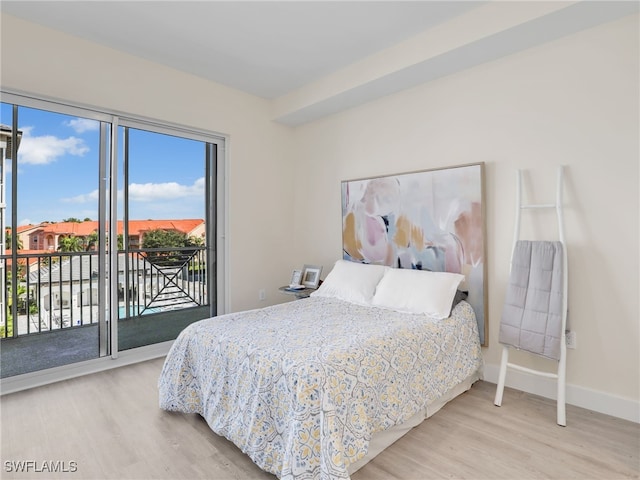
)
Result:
{"points": [[60, 301]]}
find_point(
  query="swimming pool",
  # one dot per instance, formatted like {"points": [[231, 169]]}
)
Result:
{"points": [[133, 312]]}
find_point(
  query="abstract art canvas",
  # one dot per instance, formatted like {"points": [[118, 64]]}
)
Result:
{"points": [[428, 220]]}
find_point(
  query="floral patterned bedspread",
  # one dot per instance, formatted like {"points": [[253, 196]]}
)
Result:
{"points": [[301, 387]]}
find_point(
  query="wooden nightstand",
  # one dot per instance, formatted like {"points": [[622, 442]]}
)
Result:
{"points": [[299, 294]]}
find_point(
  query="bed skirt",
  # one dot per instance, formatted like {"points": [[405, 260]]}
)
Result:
{"points": [[382, 440]]}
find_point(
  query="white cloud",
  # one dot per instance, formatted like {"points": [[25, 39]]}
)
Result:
{"points": [[25, 221], [81, 125], [149, 192], [86, 197], [41, 150]]}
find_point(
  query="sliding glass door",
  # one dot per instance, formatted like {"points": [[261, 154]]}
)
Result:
{"points": [[51, 315], [109, 233], [163, 282]]}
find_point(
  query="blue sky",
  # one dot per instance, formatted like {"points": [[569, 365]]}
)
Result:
{"points": [[58, 171]]}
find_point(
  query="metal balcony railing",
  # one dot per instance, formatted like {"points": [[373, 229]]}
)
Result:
{"points": [[60, 290]]}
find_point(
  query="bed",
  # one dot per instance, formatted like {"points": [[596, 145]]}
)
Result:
{"points": [[313, 388]]}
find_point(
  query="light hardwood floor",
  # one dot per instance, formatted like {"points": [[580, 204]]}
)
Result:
{"points": [[110, 425]]}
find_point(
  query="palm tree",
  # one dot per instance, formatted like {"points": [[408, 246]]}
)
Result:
{"points": [[91, 241], [8, 238], [70, 243]]}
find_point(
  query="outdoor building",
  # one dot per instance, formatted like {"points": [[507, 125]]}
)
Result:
{"points": [[47, 235], [59, 289]]}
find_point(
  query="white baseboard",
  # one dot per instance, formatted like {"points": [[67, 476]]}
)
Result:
{"points": [[51, 375], [602, 402]]}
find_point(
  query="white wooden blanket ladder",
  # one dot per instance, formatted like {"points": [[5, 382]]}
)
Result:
{"points": [[562, 362]]}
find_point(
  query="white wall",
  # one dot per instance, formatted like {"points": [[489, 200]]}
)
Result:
{"points": [[571, 102], [44, 62]]}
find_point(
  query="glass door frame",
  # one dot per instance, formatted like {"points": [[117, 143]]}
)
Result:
{"points": [[121, 145], [216, 218]]}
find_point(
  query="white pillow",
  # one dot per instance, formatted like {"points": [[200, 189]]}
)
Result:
{"points": [[417, 291], [351, 281]]}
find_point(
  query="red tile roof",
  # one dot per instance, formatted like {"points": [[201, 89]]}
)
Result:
{"points": [[24, 228], [69, 228], [136, 227]]}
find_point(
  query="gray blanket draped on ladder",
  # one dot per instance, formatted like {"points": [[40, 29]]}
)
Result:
{"points": [[532, 313]]}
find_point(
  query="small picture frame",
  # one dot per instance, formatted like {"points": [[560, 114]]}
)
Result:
{"points": [[311, 276], [296, 277]]}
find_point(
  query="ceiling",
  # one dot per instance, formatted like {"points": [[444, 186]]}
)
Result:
{"points": [[281, 50], [264, 48]]}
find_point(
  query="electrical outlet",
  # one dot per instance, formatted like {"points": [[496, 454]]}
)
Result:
{"points": [[572, 339], [262, 294]]}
